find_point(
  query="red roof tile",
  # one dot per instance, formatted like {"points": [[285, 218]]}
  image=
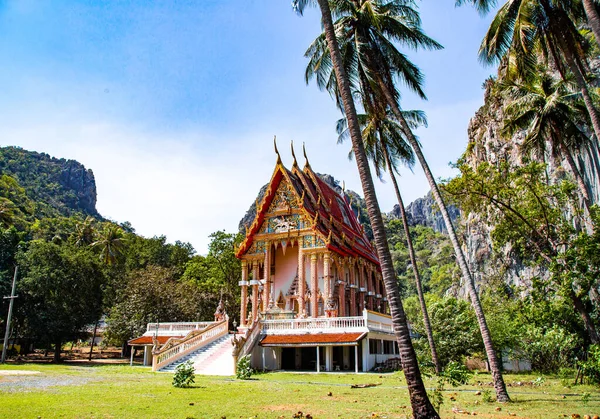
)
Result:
{"points": [[316, 339], [147, 340]]}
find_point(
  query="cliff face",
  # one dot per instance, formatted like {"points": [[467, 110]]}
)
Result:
{"points": [[486, 145], [60, 186], [424, 211]]}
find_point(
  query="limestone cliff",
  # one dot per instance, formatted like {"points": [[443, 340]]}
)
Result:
{"points": [[486, 145], [424, 211], [58, 186]]}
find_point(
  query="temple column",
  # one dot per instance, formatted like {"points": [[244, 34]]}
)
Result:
{"points": [[329, 302], [267, 278], [301, 282], [352, 291], [254, 291], [244, 302], [342, 300], [363, 289], [314, 287]]}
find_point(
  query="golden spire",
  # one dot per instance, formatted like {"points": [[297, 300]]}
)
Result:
{"points": [[305, 156], [293, 154], [276, 151]]}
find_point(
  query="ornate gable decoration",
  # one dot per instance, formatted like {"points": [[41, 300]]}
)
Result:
{"points": [[284, 199]]}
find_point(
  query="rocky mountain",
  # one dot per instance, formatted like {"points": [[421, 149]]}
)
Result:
{"points": [[57, 186], [424, 212]]}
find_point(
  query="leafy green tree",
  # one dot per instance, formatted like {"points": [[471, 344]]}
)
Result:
{"points": [[60, 292], [84, 232], [217, 274], [454, 327], [154, 294], [421, 405], [529, 215]]}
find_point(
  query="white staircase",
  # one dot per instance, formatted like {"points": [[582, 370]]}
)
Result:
{"points": [[212, 359]]}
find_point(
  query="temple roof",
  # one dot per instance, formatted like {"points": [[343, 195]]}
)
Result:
{"points": [[330, 213]]}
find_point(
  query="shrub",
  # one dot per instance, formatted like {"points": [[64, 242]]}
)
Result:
{"points": [[548, 349], [456, 374], [184, 375], [591, 367], [244, 370]]}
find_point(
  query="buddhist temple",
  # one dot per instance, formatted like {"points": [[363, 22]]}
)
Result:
{"points": [[312, 296], [311, 279]]}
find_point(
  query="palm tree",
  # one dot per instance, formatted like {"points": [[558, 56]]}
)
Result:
{"points": [[84, 232], [523, 31], [386, 147], [422, 407], [593, 18], [546, 110], [111, 243], [367, 29]]}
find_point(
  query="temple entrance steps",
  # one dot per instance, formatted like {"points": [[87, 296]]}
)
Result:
{"points": [[207, 355], [219, 362]]}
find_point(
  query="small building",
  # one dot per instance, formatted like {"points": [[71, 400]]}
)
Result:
{"points": [[312, 294]]}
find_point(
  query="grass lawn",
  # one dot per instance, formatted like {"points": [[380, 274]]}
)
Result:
{"points": [[121, 391]]}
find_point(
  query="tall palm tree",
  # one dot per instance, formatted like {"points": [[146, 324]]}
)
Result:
{"points": [[367, 29], [546, 110], [421, 406], [111, 242], [523, 31], [386, 148]]}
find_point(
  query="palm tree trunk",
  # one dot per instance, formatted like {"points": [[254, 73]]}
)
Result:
{"points": [[593, 18], [413, 261], [496, 367], [421, 406]]}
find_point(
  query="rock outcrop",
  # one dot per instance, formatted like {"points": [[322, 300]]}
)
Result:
{"points": [[60, 186], [424, 211]]}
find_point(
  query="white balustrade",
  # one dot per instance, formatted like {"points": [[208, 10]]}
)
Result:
{"points": [[183, 346], [319, 324], [176, 327]]}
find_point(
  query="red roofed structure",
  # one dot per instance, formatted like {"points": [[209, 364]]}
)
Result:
{"points": [[310, 278]]}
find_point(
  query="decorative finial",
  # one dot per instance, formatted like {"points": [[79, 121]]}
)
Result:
{"points": [[276, 151], [343, 187], [305, 156], [293, 154]]}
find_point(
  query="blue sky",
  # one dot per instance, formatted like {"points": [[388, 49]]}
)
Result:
{"points": [[174, 104]]}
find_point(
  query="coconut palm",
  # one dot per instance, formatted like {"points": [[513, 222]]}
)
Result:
{"points": [[367, 31], [547, 110], [523, 31], [422, 407], [84, 232], [589, 8], [111, 242], [386, 147]]}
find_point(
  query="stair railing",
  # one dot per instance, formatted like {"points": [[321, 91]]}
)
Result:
{"points": [[177, 348], [251, 339]]}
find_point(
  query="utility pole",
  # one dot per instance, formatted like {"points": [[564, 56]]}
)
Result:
{"points": [[10, 308]]}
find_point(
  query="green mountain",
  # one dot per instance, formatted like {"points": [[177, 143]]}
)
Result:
{"points": [[35, 185]]}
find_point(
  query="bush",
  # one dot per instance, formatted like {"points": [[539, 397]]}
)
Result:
{"points": [[244, 370], [591, 367], [548, 349], [184, 375], [456, 374]]}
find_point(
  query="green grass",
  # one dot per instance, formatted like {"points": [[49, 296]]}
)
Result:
{"points": [[120, 391]]}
